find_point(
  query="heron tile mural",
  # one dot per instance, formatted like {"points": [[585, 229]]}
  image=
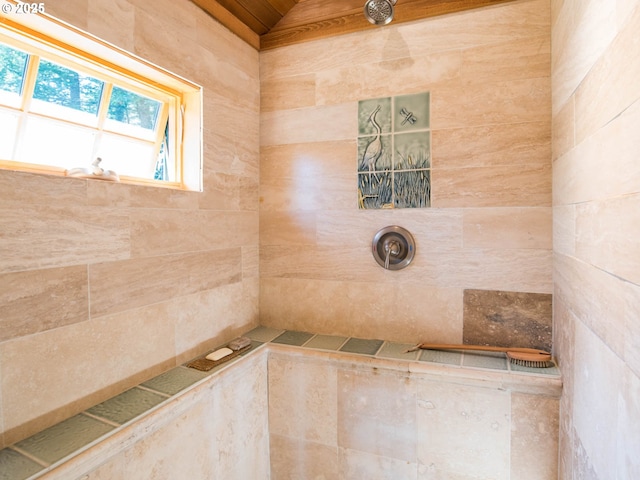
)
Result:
{"points": [[394, 152]]}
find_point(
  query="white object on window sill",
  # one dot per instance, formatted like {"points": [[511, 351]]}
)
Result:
{"points": [[95, 171]]}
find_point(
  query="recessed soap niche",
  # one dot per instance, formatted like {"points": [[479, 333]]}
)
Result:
{"points": [[394, 152]]}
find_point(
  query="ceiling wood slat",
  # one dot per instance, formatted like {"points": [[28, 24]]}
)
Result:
{"points": [[268, 24]]}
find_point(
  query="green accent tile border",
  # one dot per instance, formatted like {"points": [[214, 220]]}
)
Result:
{"points": [[175, 380], [362, 346], [15, 466], [326, 342], [484, 361], [64, 438], [128, 405], [263, 334], [441, 356], [398, 351], [293, 337], [27, 458]]}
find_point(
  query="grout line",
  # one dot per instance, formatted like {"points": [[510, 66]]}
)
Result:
{"points": [[30, 456], [101, 419], [142, 387]]}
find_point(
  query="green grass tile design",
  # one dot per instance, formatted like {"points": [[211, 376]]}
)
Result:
{"points": [[263, 334], [14, 466], [175, 380], [127, 405], [397, 351], [362, 346], [485, 361], [291, 337], [442, 357], [64, 438], [326, 342]]}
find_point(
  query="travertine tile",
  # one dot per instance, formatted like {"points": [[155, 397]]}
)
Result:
{"points": [[289, 227], [21, 189], [120, 347], [308, 160], [336, 192], [50, 236], [119, 286], [534, 437], [507, 319], [499, 101], [74, 12], [293, 459], [303, 400], [564, 129], [598, 383], [527, 57], [359, 80], [491, 145], [602, 166], [628, 464], [507, 228], [161, 232], [610, 86], [356, 465], [35, 301], [239, 412], [286, 93], [301, 125], [503, 186], [377, 414], [463, 431], [564, 229], [113, 22], [434, 313], [607, 235]]}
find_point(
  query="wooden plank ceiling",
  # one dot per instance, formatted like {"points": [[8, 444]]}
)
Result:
{"points": [[267, 24]]}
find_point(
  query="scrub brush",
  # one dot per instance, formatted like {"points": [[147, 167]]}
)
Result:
{"points": [[526, 357]]}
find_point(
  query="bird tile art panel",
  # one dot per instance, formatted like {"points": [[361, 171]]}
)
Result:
{"points": [[394, 152]]}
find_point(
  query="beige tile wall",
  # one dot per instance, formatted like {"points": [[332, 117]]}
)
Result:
{"points": [[488, 72], [596, 200], [104, 285], [217, 429], [330, 418]]}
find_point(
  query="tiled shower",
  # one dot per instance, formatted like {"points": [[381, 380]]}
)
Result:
{"points": [[278, 239]]}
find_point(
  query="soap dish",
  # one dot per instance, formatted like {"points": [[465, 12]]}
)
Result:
{"points": [[204, 364]]}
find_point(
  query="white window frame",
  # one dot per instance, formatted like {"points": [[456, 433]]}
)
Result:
{"points": [[45, 36]]}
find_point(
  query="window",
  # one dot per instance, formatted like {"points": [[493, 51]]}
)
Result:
{"points": [[67, 98]]}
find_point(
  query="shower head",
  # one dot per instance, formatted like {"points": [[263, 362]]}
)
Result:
{"points": [[379, 12]]}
